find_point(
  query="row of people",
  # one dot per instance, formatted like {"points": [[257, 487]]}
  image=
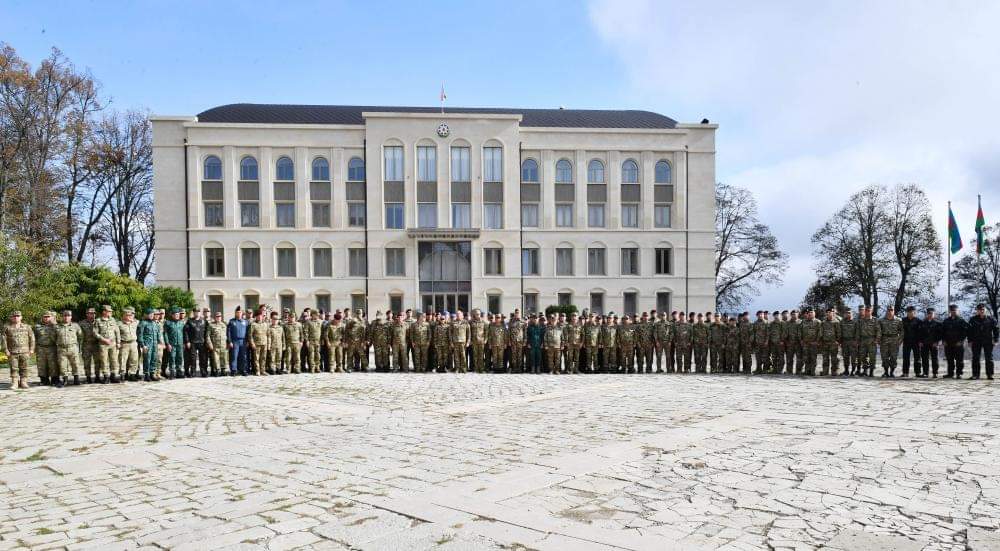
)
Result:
{"points": [[103, 349]]}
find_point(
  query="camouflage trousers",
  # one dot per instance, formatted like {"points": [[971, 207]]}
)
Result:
{"points": [[849, 351], [47, 361], [552, 357], [608, 358], [337, 363], [777, 350], [717, 361], [793, 354], [763, 357], [216, 360], [149, 355], [260, 354], [381, 356], [89, 356], [889, 349], [683, 355], [866, 355], [313, 358], [700, 357], [589, 362], [107, 359], [478, 356], [809, 352], [571, 357], [628, 355], [746, 358], [830, 361], [18, 366], [68, 359], [496, 358], [128, 358], [517, 357], [645, 353], [420, 358], [442, 357], [665, 351], [274, 357], [458, 356], [400, 357], [291, 357], [731, 356]]}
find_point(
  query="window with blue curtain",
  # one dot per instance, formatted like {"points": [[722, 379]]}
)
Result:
{"points": [[213, 168], [529, 171], [285, 169], [321, 169], [595, 172], [564, 172], [662, 172], [630, 172], [356, 170], [248, 168]]}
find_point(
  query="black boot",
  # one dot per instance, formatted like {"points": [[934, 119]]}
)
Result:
{"points": [[90, 380], [114, 378], [104, 379], [76, 380], [59, 382], [44, 381]]}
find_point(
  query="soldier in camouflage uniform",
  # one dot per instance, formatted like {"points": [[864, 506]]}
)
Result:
{"points": [[849, 343], [761, 338], [590, 338], [357, 334], [793, 344], [644, 344], [809, 332], [626, 344], [497, 341], [745, 334], [441, 341], [572, 339], [128, 356], [312, 334], [890, 334], [419, 338], [397, 340], [699, 343], [534, 339], [868, 338], [516, 335], [732, 346], [45, 349], [259, 339], [717, 344], [89, 345], [776, 343], [662, 344], [553, 344], [275, 345], [173, 335], [459, 337], [19, 341], [333, 336], [829, 343], [609, 345], [682, 344], [379, 336], [292, 334], [108, 344], [215, 344], [477, 339], [68, 337]]}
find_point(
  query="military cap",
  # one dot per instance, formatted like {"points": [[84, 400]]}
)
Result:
{"points": [[107, 308], [809, 310], [15, 313], [150, 311], [359, 311], [776, 313], [929, 310], [48, 313], [890, 308], [91, 311], [206, 309], [911, 308], [175, 310], [953, 307], [67, 312], [129, 310], [980, 306]]}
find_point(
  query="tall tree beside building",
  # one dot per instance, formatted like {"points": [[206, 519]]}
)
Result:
{"points": [[746, 252], [977, 277], [916, 248]]}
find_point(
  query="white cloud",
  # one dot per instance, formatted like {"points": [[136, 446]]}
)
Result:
{"points": [[815, 101]]}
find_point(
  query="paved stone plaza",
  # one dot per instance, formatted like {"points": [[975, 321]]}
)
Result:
{"points": [[517, 462]]}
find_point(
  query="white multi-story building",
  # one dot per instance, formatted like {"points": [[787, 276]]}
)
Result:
{"points": [[402, 207]]}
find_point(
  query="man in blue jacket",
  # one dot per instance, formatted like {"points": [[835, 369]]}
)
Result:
{"points": [[236, 334]]}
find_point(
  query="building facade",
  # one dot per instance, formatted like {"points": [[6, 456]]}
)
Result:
{"points": [[396, 207]]}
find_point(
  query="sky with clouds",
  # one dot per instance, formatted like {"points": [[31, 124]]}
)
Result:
{"points": [[815, 100]]}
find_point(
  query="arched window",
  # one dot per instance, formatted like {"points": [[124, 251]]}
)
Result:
{"points": [[355, 170], [321, 169], [248, 168], [595, 172], [662, 173], [564, 172], [285, 169], [529, 171], [630, 172], [213, 168]]}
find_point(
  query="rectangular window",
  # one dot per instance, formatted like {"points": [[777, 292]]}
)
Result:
{"points": [[322, 262], [249, 214], [426, 164], [395, 262], [493, 304], [564, 215], [357, 302], [530, 302], [286, 262], [663, 301], [529, 262], [529, 215], [597, 303], [664, 260], [493, 216], [321, 215], [460, 164], [565, 299], [492, 164], [427, 215], [461, 215], [394, 219], [630, 216], [596, 262], [493, 261], [595, 215], [631, 303], [395, 304], [393, 163], [630, 261], [285, 215], [215, 303], [661, 216], [356, 214], [323, 302], [287, 302], [215, 262], [250, 262], [251, 302], [213, 214], [564, 262], [357, 262]]}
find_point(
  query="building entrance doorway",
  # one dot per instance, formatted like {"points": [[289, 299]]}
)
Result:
{"points": [[445, 275]]}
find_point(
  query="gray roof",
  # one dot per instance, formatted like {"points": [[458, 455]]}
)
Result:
{"points": [[256, 113]]}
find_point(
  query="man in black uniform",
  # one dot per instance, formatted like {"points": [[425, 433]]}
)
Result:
{"points": [[929, 337], [983, 334], [911, 341], [954, 329], [194, 344]]}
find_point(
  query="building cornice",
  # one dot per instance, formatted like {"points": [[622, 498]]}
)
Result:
{"points": [[444, 115]]}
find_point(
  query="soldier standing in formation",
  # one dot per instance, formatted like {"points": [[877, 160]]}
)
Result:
{"points": [[983, 334], [19, 342], [215, 345]]}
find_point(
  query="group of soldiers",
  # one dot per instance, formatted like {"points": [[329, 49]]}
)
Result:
{"points": [[102, 349]]}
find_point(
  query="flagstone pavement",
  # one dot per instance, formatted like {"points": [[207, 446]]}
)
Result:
{"points": [[516, 462]]}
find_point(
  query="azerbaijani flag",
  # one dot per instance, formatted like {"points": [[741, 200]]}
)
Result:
{"points": [[980, 227], [953, 236]]}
